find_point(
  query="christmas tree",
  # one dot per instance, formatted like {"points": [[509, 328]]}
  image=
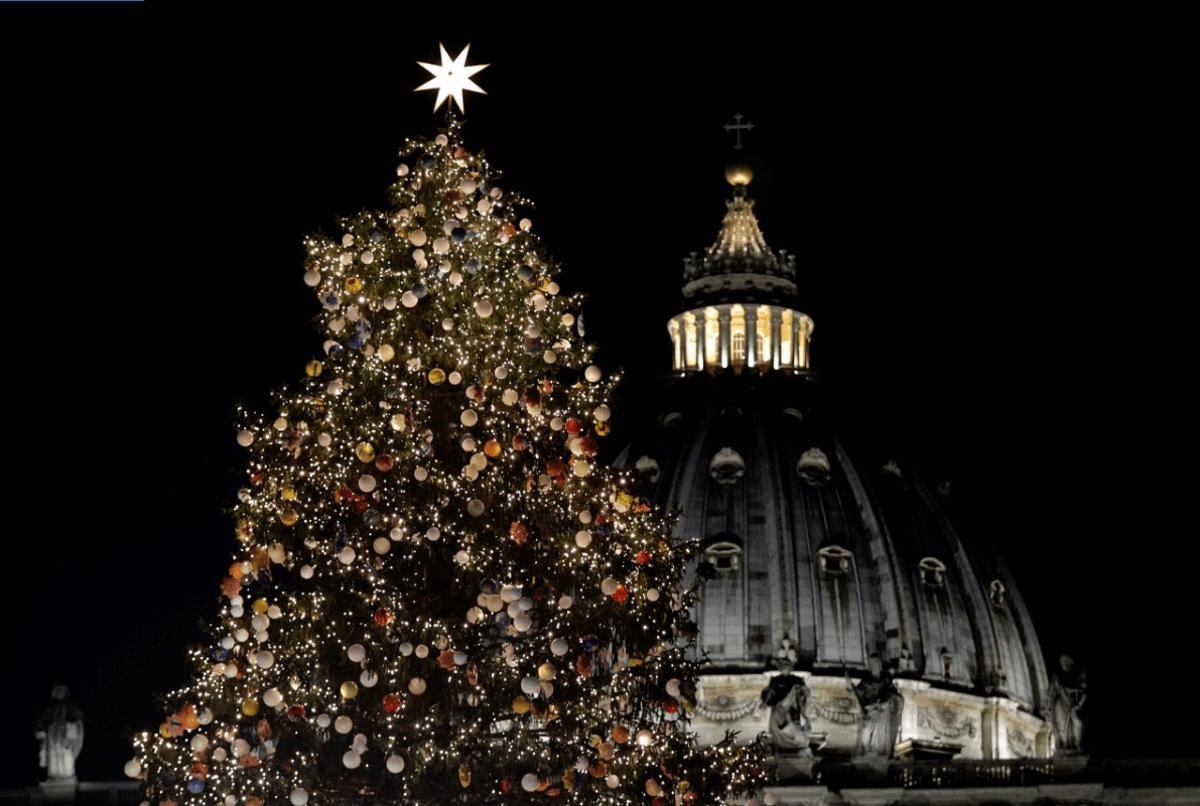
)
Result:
{"points": [[438, 594]]}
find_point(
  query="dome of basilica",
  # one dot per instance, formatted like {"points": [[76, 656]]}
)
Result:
{"points": [[822, 559]]}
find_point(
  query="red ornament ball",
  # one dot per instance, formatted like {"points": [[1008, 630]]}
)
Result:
{"points": [[391, 703]]}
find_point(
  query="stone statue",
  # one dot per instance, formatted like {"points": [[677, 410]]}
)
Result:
{"points": [[788, 724], [879, 705], [1068, 693], [60, 736]]}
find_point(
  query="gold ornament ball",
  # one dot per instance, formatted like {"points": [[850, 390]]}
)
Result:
{"points": [[250, 706], [289, 517], [288, 493], [313, 368], [349, 690], [436, 376], [365, 452], [739, 174]]}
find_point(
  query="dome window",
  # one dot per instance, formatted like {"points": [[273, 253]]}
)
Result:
{"points": [[795, 414], [724, 553], [727, 466], [997, 593], [835, 560], [647, 467], [672, 419], [933, 572], [814, 467]]}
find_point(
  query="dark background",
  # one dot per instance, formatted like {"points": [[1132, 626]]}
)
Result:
{"points": [[985, 214]]}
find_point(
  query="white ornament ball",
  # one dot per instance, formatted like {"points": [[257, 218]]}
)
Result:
{"points": [[366, 483], [455, 378], [343, 724], [395, 764], [245, 438], [608, 586], [522, 623], [559, 646], [382, 545], [271, 698], [583, 538], [416, 686], [581, 467], [475, 507], [240, 748], [612, 782], [469, 417], [205, 716], [351, 760], [529, 782], [356, 653], [306, 572], [386, 352], [408, 299], [530, 685], [406, 649], [323, 721], [265, 659], [418, 237], [433, 533], [346, 556], [565, 602], [483, 308], [592, 373], [133, 768], [652, 594], [420, 474], [325, 439], [299, 797], [673, 686], [602, 413], [422, 651], [369, 678]]}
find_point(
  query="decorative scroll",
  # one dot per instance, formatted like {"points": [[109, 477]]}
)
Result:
{"points": [[1019, 744], [725, 712], [839, 710], [945, 722]]}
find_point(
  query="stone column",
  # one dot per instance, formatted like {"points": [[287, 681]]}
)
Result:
{"points": [[795, 356], [751, 314], [676, 341], [724, 345], [701, 340], [776, 314], [802, 346]]}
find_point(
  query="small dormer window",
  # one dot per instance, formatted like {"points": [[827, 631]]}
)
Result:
{"points": [[933, 572], [834, 560], [997, 593], [814, 467], [724, 553], [727, 466], [648, 467]]}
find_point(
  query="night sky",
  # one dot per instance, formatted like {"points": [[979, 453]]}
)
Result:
{"points": [[976, 206]]}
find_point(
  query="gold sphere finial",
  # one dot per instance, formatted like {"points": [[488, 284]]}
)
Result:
{"points": [[739, 174]]}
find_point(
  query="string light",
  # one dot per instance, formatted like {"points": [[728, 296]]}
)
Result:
{"points": [[411, 614]]}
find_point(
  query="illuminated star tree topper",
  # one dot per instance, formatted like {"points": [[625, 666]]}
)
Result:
{"points": [[451, 78]]}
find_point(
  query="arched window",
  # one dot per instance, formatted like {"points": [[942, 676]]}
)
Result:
{"points": [[835, 560], [933, 572], [724, 554], [739, 347], [996, 592]]}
